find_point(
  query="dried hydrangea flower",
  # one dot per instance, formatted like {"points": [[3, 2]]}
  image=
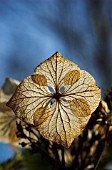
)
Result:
{"points": [[58, 99], [8, 120], [7, 117]]}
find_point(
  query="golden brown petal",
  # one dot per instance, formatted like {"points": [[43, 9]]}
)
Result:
{"points": [[71, 77]]}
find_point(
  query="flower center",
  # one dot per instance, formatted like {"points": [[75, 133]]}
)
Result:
{"points": [[57, 94]]}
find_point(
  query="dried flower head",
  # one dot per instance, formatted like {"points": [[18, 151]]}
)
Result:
{"points": [[58, 99], [7, 117]]}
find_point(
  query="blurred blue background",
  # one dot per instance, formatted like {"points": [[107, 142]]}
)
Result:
{"points": [[33, 30], [6, 152]]}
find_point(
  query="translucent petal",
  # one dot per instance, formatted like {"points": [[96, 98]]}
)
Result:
{"points": [[58, 99]]}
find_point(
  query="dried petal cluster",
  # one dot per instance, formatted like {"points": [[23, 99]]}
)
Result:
{"points": [[7, 117], [9, 121], [58, 99]]}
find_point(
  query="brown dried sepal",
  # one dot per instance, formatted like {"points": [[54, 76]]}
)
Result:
{"points": [[71, 77], [39, 79], [80, 107]]}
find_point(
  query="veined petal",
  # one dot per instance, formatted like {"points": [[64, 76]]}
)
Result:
{"points": [[28, 97], [55, 68], [85, 88], [59, 123]]}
